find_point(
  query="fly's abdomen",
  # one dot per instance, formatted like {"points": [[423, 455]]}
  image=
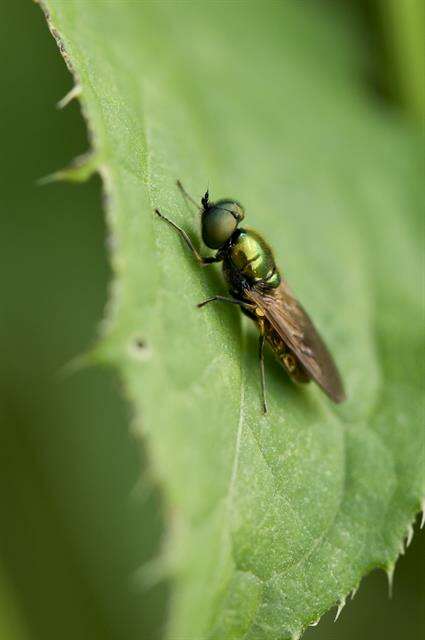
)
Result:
{"points": [[287, 358], [251, 256]]}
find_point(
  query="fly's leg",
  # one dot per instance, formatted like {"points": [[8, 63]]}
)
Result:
{"points": [[183, 235], [187, 195], [261, 341], [241, 303]]}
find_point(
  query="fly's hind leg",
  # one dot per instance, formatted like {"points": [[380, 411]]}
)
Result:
{"points": [[261, 341]]}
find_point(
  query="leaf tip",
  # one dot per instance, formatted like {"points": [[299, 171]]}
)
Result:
{"points": [[409, 535], [314, 623], [80, 170], [354, 592], [152, 573], [80, 362], [423, 514], [75, 92], [52, 177], [390, 576], [341, 605]]}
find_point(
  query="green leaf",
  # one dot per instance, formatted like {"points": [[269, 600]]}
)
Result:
{"points": [[404, 29], [272, 520]]}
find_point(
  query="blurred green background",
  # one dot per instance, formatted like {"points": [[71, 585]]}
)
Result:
{"points": [[80, 513]]}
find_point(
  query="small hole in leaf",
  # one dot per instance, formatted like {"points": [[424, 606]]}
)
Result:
{"points": [[139, 348]]}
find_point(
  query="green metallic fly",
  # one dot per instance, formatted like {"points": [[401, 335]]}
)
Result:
{"points": [[256, 285]]}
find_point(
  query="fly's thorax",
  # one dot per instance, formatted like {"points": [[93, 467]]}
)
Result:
{"points": [[250, 255]]}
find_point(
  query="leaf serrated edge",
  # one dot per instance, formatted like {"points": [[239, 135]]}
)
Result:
{"points": [[73, 93], [79, 170], [389, 571]]}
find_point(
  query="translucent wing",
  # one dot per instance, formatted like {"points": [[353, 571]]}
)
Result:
{"points": [[295, 328]]}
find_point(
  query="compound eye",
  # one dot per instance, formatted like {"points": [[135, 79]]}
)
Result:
{"points": [[218, 225], [232, 207], [238, 211]]}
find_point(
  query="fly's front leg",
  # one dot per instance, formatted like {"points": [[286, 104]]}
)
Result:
{"points": [[183, 235], [240, 303], [261, 341], [187, 195]]}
